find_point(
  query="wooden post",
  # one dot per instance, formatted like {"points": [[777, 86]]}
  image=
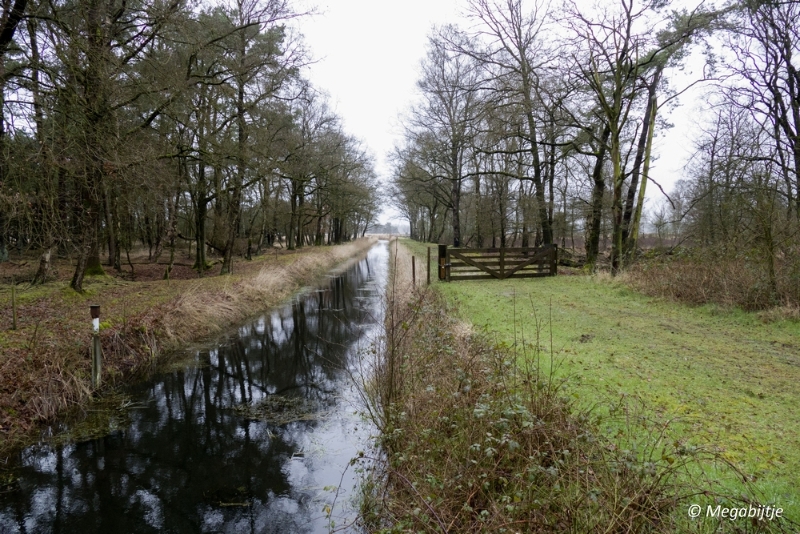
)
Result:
{"points": [[554, 261], [96, 353], [13, 303], [442, 256], [447, 266], [414, 270], [502, 263], [428, 268], [98, 361]]}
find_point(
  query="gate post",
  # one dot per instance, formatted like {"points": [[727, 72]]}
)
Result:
{"points": [[428, 266], [442, 260]]}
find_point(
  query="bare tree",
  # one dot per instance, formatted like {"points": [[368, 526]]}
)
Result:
{"points": [[443, 125], [765, 38], [513, 46]]}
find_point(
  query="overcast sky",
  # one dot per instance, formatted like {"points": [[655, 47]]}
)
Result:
{"points": [[368, 55]]}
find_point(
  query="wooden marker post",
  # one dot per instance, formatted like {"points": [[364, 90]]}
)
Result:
{"points": [[428, 266], [414, 270], [96, 354]]}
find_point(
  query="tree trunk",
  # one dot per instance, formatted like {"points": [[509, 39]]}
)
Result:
{"points": [[43, 273], [544, 220], [80, 270], [235, 204], [172, 232], [95, 118], [111, 228], [201, 212], [633, 235], [300, 203], [616, 204], [292, 218], [456, 200], [598, 191], [641, 148], [233, 227]]}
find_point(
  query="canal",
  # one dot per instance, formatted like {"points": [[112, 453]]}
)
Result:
{"points": [[254, 434]]}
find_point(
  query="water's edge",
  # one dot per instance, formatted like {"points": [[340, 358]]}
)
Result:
{"points": [[256, 435]]}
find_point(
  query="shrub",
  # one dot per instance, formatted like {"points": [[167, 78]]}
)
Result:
{"points": [[704, 278]]}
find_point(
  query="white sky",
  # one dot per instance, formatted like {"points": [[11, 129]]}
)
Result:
{"points": [[368, 55]]}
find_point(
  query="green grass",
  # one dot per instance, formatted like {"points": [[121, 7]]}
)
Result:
{"points": [[722, 377]]}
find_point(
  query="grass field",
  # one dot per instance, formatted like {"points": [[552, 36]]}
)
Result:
{"points": [[722, 378]]}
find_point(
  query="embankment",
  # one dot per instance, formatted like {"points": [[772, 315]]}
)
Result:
{"points": [[45, 366]]}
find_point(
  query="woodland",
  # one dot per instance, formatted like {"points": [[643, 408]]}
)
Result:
{"points": [[154, 123], [163, 123], [536, 124]]}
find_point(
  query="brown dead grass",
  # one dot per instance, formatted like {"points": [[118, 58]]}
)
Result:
{"points": [[736, 282], [401, 287], [236, 300], [45, 366]]}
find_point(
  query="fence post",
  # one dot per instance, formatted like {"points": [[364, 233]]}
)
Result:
{"points": [[428, 268], [442, 257], [554, 261], [414, 271], [96, 354], [502, 263]]}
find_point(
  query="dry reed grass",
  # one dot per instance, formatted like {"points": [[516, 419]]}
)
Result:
{"points": [[780, 313], [727, 281], [401, 289], [199, 309]]}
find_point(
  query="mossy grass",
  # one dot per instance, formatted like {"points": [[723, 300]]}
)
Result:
{"points": [[721, 377], [95, 270]]}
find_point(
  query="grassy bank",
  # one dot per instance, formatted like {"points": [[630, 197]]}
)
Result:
{"points": [[721, 379], [45, 364], [478, 438]]}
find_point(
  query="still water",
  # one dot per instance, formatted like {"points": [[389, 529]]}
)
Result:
{"points": [[190, 458]]}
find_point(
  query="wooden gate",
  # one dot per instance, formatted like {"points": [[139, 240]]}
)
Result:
{"points": [[499, 263]]}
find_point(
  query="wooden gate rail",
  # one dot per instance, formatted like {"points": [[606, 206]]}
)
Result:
{"points": [[498, 263]]}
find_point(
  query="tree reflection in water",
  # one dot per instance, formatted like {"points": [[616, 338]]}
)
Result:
{"points": [[189, 462]]}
